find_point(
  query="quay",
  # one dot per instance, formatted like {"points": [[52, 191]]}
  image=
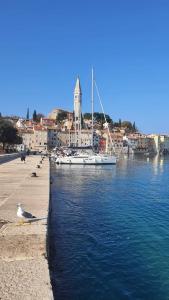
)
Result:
{"points": [[24, 272]]}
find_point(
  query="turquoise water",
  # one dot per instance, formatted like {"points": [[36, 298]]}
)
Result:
{"points": [[110, 231]]}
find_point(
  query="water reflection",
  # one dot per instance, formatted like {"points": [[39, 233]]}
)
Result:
{"points": [[158, 165], [78, 170]]}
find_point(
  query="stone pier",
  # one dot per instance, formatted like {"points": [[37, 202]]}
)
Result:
{"points": [[24, 270]]}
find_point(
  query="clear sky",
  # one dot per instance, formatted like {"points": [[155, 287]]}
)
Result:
{"points": [[45, 44]]}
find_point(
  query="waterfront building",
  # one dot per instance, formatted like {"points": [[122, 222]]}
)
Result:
{"points": [[161, 143], [87, 123], [40, 138], [164, 139], [29, 124], [47, 122], [139, 143], [102, 144], [27, 138], [126, 144], [145, 144], [70, 138], [52, 138], [115, 142], [118, 143], [67, 125], [34, 139], [132, 141], [20, 124]]}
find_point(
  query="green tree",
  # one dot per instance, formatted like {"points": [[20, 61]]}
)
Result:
{"points": [[134, 127], [39, 116], [61, 117], [8, 134], [109, 120], [87, 116], [27, 114], [99, 117], [18, 140], [116, 124], [127, 124], [34, 117]]}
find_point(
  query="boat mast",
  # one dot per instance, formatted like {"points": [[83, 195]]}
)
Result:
{"points": [[69, 129], [92, 105], [111, 141]]}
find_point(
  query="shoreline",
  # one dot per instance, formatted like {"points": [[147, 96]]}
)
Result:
{"points": [[24, 270]]}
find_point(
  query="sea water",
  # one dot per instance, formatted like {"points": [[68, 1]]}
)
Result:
{"points": [[109, 231]]}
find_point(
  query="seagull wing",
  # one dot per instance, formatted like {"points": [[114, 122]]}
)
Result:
{"points": [[28, 215]]}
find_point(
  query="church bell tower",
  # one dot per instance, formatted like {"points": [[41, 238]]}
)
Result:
{"points": [[77, 112]]}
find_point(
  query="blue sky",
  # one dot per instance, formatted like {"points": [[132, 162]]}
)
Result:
{"points": [[44, 45]]}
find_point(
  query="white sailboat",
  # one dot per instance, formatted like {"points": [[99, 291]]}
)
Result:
{"points": [[87, 159], [80, 156]]}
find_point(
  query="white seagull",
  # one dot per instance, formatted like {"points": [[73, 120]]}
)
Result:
{"points": [[23, 215]]}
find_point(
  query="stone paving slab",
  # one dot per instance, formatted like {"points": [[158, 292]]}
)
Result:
{"points": [[17, 284]]}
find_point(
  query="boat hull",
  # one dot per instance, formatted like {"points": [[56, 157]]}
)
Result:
{"points": [[86, 160]]}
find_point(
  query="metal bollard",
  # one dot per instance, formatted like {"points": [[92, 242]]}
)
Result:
{"points": [[33, 174]]}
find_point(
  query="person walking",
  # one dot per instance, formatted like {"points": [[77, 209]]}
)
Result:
{"points": [[23, 157]]}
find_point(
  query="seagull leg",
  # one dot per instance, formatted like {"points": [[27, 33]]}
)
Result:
{"points": [[21, 222]]}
